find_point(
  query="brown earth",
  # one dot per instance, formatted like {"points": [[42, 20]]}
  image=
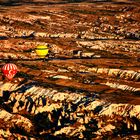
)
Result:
{"points": [[88, 86]]}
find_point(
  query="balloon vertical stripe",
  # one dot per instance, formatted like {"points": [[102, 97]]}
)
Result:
{"points": [[9, 70]]}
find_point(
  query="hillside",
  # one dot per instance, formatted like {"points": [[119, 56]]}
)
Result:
{"points": [[88, 86]]}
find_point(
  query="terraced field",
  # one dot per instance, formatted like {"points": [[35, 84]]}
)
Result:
{"points": [[88, 85]]}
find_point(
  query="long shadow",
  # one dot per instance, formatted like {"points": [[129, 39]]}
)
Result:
{"points": [[7, 60], [10, 3], [3, 38], [51, 3], [27, 85], [22, 2]]}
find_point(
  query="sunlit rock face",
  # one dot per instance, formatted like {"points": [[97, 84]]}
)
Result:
{"points": [[88, 85]]}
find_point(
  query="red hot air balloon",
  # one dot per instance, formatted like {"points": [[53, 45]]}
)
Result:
{"points": [[9, 70]]}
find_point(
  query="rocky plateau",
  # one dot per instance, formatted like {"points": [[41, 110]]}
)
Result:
{"points": [[87, 87]]}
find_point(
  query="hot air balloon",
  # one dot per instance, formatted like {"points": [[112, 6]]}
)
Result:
{"points": [[9, 70], [42, 51]]}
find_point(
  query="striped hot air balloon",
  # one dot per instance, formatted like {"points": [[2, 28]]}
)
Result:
{"points": [[41, 51], [9, 70]]}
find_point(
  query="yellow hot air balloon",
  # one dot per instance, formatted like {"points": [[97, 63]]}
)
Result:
{"points": [[42, 51]]}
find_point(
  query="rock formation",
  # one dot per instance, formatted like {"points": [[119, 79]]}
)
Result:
{"points": [[87, 87]]}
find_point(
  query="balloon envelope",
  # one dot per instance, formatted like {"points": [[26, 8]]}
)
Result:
{"points": [[41, 51], [9, 70]]}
